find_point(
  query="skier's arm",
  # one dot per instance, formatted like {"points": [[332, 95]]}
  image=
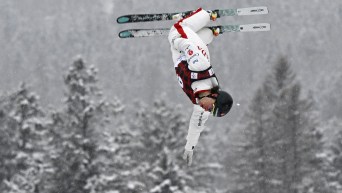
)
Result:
{"points": [[196, 126]]}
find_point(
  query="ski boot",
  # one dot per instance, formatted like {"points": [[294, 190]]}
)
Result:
{"points": [[213, 15], [216, 31]]}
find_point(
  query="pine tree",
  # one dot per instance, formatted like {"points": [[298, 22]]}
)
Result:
{"points": [[326, 178], [83, 144], [282, 140], [298, 140], [22, 143], [255, 174], [161, 132]]}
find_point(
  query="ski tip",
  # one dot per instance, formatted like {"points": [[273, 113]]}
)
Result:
{"points": [[122, 19], [125, 34]]}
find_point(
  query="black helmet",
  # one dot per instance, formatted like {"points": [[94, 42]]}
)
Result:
{"points": [[223, 104]]}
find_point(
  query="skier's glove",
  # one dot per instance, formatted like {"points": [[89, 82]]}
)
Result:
{"points": [[187, 156]]}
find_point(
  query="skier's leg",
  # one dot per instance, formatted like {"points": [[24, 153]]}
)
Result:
{"points": [[196, 42], [183, 38], [197, 20], [192, 48], [186, 27], [206, 35]]}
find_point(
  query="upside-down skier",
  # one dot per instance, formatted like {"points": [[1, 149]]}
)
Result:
{"points": [[189, 39]]}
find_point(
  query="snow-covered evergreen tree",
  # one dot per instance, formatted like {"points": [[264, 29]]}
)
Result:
{"points": [[253, 169], [282, 140], [160, 134], [22, 139], [298, 141], [84, 147]]}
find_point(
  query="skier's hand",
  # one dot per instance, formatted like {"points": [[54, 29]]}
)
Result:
{"points": [[187, 156]]}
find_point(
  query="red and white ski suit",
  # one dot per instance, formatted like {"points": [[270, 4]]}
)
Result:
{"points": [[189, 39]]}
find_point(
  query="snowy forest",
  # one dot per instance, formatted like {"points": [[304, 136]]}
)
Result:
{"points": [[83, 111]]}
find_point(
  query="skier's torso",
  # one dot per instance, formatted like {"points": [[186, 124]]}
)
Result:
{"points": [[194, 82], [190, 54]]}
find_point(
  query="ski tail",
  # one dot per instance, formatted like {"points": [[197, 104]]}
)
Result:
{"points": [[256, 27], [253, 11], [135, 33], [261, 10]]}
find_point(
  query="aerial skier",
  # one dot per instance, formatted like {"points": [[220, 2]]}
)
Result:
{"points": [[189, 39]]}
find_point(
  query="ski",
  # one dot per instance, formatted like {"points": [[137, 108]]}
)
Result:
{"points": [[176, 16], [134, 33]]}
